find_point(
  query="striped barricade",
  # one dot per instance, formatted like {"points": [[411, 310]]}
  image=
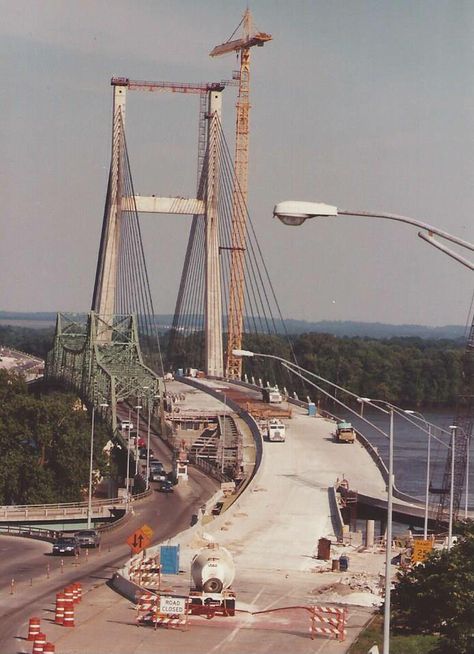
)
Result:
{"points": [[169, 621], [147, 607], [146, 572], [328, 621]]}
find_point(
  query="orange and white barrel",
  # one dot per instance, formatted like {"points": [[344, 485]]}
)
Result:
{"points": [[33, 628], [49, 648], [69, 593], [68, 620], [60, 604], [39, 643]]}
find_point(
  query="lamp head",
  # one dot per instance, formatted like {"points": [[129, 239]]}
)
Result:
{"points": [[242, 353], [294, 212]]}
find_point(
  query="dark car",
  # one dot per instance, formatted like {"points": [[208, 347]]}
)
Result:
{"points": [[88, 538], [166, 486], [66, 545]]}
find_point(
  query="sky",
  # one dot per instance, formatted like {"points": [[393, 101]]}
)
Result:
{"points": [[363, 104]]}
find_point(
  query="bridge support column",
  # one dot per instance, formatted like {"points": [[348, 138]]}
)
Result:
{"points": [[213, 300], [103, 302]]}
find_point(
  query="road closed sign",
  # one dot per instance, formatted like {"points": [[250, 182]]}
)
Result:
{"points": [[172, 605]]}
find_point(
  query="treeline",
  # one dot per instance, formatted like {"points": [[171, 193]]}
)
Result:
{"points": [[26, 339], [410, 372], [44, 445]]}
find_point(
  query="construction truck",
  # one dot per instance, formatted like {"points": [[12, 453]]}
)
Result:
{"points": [[275, 431], [212, 571], [272, 395], [345, 433]]}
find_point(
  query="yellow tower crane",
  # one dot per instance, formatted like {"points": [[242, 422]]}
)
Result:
{"points": [[239, 218]]}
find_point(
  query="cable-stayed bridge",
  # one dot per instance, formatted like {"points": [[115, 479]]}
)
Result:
{"points": [[115, 353]]}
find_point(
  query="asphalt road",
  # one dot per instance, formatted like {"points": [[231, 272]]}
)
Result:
{"points": [[27, 561]]}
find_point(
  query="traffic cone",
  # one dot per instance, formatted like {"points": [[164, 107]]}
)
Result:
{"points": [[49, 648]]}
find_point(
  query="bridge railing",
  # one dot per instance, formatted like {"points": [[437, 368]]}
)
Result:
{"points": [[30, 511]]}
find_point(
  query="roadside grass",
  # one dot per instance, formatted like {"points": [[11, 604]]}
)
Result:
{"points": [[373, 635]]}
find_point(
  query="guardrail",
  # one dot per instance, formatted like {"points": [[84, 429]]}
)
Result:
{"points": [[30, 532], [65, 510]]}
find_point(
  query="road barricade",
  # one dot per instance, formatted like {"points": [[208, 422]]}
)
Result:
{"points": [[146, 572], [34, 628], [68, 620], [328, 621], [39, 643], [147, 607], [60, 605], [169, 621]]}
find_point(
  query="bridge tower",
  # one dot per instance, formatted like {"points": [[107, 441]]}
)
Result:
{"points": [[106, 287]]}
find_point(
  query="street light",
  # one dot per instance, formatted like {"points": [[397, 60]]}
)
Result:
{"points": [[420, 416], [453, 429], [138, 407], [388, 549], [89, 506], [127, 486], [294, 212], [290, 366]]}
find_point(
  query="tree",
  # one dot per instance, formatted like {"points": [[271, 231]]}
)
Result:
{"points": [[437, 596], [44, 445]]}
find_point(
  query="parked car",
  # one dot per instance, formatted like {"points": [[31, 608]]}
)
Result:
{"points": [[88, 538], [66, 545], [126, 425], [166, 486]]}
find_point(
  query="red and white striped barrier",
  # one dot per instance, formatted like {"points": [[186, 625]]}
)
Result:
{"points": [[147, 604], [328, 621], [169, 621]]}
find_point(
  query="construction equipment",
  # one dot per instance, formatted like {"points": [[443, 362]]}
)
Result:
{"points": [[344, 433], [212, 571], [233, 368]]}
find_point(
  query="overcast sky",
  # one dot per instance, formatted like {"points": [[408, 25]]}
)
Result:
{"points": [[365, 104]]}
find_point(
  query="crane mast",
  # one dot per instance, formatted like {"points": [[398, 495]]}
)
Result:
{"points": [[233, 367]]}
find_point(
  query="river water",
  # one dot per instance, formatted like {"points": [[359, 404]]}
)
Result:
{"points": [[410, 451]]}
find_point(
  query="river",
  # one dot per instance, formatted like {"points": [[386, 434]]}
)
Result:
{"points": [[410, 451]]}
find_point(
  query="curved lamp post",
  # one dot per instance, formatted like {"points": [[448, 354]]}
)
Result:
{"points": [[294, 212], [390, 410]]}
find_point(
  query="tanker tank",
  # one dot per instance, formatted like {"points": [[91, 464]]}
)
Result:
{"points": [[212, 569]]}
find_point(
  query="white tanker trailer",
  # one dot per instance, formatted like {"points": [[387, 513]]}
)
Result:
{"points": [[212, 571]]}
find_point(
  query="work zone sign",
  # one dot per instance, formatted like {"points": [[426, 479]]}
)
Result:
{"points": [[173, 605], [421, 549]]}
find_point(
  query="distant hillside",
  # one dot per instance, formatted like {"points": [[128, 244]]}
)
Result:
{"points": [[337, 328]]}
